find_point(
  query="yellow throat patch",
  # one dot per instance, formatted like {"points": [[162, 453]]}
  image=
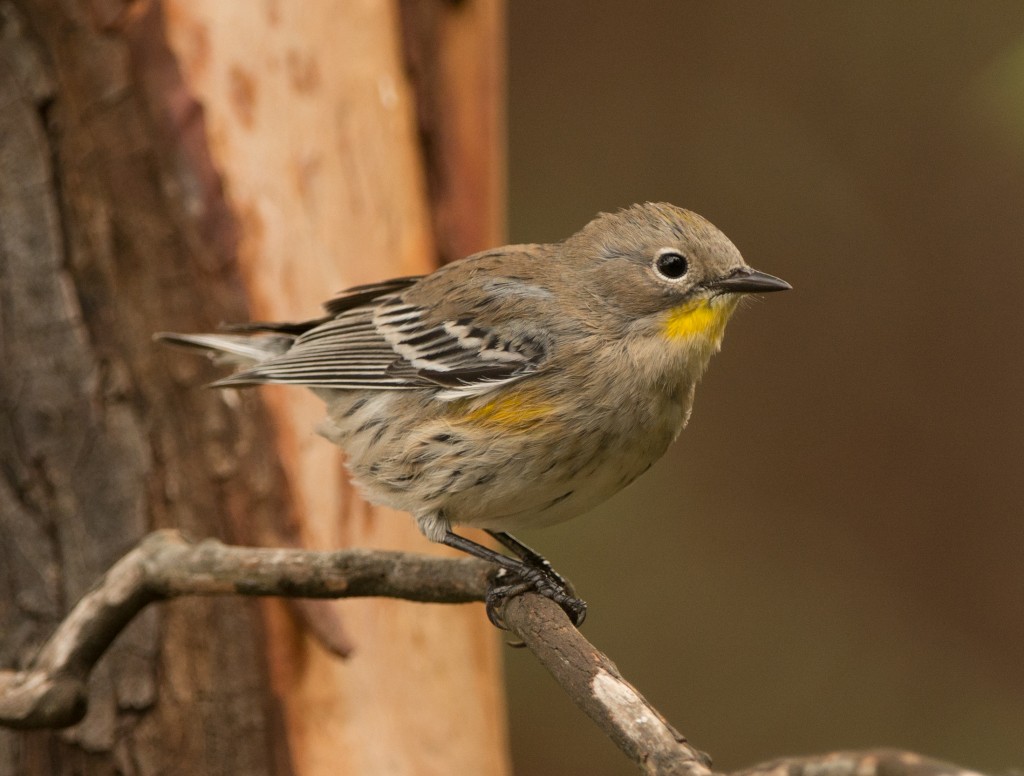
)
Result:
{"points": [[699, 319]]}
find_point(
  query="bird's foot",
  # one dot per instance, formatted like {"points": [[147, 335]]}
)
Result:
{"points": [[530, 578], [528, 572], [532, 558]]}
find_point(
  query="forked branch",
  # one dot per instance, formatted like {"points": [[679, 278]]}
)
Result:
{"points": [[52, 690]]}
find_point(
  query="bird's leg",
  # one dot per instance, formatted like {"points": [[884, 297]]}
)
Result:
{"points": [[530, 557], [522, 577]]}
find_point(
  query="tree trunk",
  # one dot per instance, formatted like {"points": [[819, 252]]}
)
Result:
{"points": [[170, 166]]}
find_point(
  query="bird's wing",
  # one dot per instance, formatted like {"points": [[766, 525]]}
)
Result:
{"points": [[345, 300], [360, 295], [387, 342]]}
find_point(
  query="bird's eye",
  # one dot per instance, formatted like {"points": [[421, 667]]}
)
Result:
{"points": [[671, 265]]}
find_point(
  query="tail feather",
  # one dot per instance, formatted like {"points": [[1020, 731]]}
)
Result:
{"points": [[235, 349]]}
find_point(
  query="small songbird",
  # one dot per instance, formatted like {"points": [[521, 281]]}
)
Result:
{"points": [[517, 387]]}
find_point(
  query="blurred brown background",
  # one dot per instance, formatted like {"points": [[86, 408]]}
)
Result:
{"points": [[831, 556]]}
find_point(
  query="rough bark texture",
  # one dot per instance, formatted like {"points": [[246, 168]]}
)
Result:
{"points": [[95, 252], [139, 193], [52, 690]]}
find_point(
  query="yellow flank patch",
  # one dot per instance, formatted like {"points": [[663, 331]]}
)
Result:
{"points": [[518, 410], [698, 319]]}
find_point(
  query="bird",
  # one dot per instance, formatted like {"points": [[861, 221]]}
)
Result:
{"points": [[515, 388]]}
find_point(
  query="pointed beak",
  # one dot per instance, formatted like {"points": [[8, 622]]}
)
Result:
{"points": [[748, 281]]}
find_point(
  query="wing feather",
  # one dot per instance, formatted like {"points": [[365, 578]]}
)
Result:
{"points": [[357, 296], [374, 338]]}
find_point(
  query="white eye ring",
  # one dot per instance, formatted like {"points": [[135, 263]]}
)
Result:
{"points": [[671, 264]]}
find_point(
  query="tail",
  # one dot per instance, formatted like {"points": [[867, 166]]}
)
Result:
{"points": [[238, 350], [244, 345]]}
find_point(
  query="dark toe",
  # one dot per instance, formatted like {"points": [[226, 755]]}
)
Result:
{"points": [[538, 581]]}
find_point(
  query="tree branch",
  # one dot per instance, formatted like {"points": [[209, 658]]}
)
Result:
{"points": [[596, 686], [52, 690], [874, 762]]}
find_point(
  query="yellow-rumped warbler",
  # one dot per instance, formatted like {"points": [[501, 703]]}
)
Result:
{"points": [[517, 387]]}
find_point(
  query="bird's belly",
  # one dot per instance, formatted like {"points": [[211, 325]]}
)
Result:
{"points": [[574, 477], [499, 479], [546, 502]]}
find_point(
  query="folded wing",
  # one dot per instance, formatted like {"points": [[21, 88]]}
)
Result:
{"points": [[374, 339]]}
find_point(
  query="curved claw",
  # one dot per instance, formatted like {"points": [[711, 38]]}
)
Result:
{"points": [[497, 595], [536, 580]]}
